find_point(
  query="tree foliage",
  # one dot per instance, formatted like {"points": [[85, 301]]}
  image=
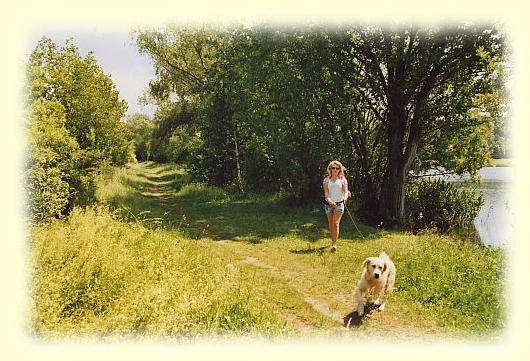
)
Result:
{"points": [[93, 110], [51, 161], [73, 122], [276, 104], [175, 133], [422, 84], [140, 129]]}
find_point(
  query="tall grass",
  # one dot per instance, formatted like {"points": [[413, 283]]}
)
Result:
{"points": [[166, 259], [97, 276]]}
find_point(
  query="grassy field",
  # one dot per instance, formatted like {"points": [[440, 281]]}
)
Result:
{"points": [[163, 259]]}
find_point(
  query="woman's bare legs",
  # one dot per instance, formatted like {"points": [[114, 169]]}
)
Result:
{"points": [[330, 227], [333, 224]]}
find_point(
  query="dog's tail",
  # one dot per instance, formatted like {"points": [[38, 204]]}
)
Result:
{"points": [[383, 255]]}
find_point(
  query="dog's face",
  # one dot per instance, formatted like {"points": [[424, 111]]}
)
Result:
{"points": [[375, 267]]}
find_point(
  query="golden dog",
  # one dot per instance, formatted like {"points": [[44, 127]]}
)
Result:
{"points": [[378, 277]]}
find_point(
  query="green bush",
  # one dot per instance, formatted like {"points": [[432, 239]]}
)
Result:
{"points": [[73, 124], [50, 163], [441, 205]]}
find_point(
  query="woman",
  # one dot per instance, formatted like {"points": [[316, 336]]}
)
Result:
{"points": [[335, 194]]}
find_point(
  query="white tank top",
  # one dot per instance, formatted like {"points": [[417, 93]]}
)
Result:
{"points": [[335, 188]]}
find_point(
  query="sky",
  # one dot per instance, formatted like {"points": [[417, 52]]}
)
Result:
{"points": [[114, 51]]}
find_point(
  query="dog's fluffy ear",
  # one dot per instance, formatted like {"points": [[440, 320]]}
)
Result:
{"points": [[366, 262], [385, 266]]}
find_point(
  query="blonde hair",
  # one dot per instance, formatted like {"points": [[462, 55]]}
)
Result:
{"points": [[336, 163]]}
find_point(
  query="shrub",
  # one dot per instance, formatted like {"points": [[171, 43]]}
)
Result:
{"points": [[441, 205], [73, 124], [50, 163]]}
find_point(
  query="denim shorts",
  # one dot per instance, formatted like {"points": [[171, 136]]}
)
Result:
{"points": [[338, 208]]}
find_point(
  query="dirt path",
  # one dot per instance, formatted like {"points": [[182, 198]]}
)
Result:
{"points": [[303, 325], [321, 307], [161, 196], [329, 305]]}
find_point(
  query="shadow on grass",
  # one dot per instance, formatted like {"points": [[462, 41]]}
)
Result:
{"points": [[164, 193], [310, 250], [354, 320]]}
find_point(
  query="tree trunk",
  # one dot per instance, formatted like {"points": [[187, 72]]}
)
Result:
{"points": [[238, 165], [393, 196], [392, 200], [402, 149], [393, 192]]}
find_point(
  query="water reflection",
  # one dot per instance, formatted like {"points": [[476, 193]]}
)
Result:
{"points": [[494, 222]]}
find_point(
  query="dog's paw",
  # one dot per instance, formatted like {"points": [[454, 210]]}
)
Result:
{"points": [[380, 307]]}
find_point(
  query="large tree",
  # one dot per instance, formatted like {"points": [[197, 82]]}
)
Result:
{"points": [[421, 85]]}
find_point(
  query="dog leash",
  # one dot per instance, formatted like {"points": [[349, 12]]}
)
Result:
{"points": [[351, 217]]}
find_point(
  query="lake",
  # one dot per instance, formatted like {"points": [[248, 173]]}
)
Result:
{"points": [[495, 221]]}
